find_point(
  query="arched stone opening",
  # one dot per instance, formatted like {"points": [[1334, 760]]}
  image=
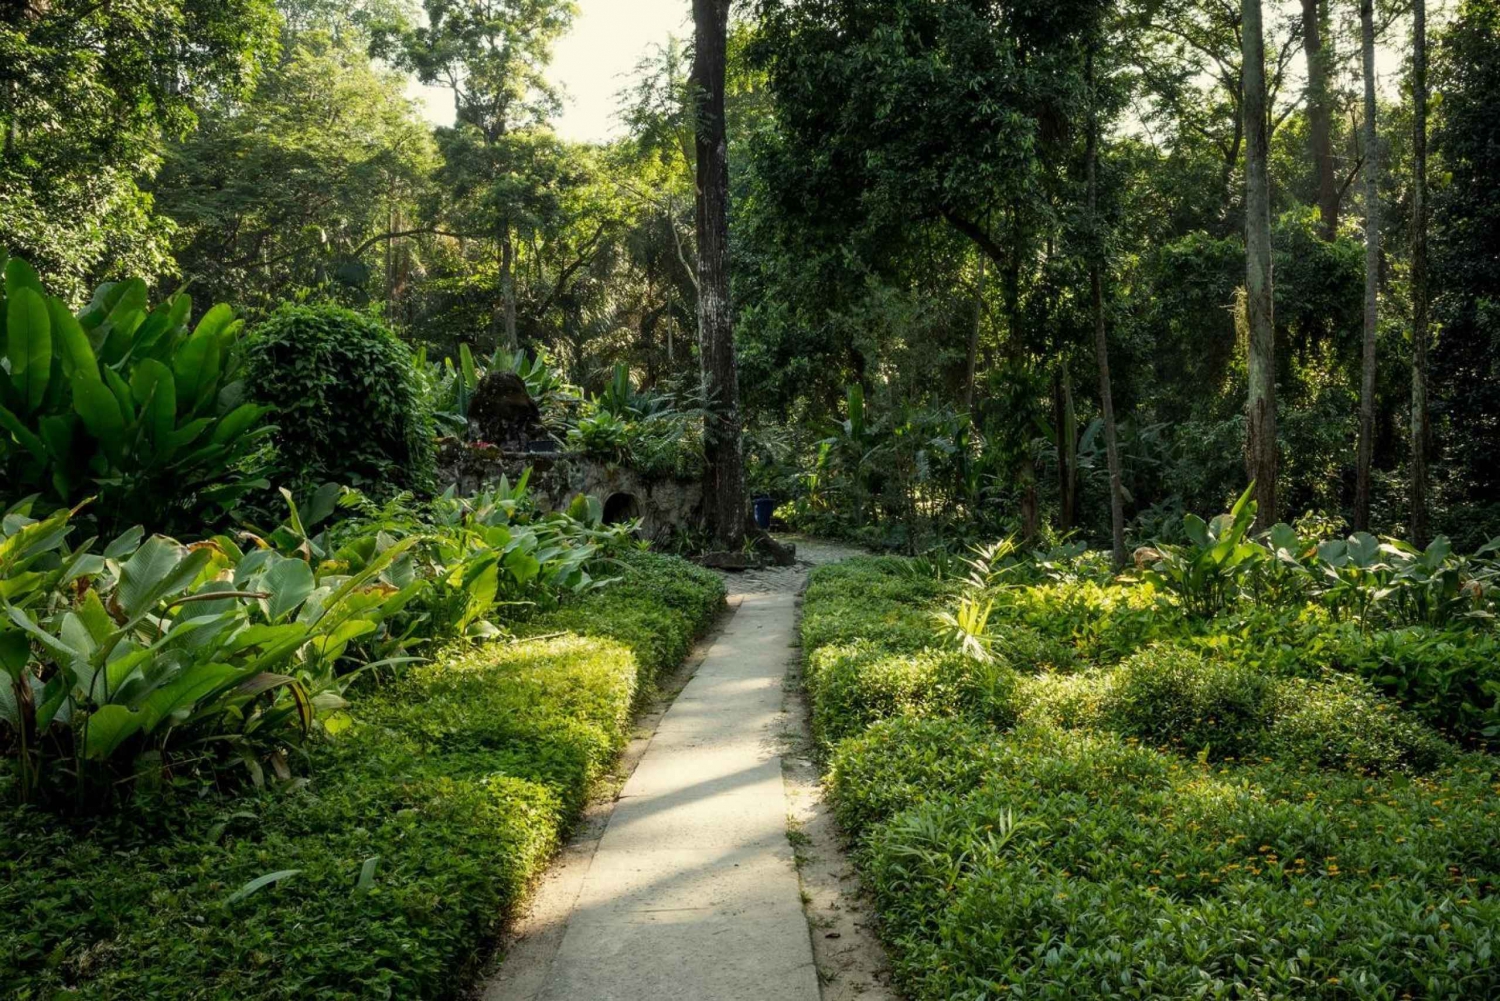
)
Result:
{"points": [[620, 508]]}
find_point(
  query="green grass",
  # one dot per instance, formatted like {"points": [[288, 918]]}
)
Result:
{"points": [[1129, 805], [457, 780]]}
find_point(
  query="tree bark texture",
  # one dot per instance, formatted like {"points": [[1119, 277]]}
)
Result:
{"points": [[1371, 170], [971, 362], [1101, 338], [1421, 432], [724, 481], [1320, 115], [1260, 448], [1066, 422]]}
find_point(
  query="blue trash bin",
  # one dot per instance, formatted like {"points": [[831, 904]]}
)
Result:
{"points": [[764, 507]]}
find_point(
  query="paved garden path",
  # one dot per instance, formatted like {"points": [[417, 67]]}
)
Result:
{"points": [[690, 892]]}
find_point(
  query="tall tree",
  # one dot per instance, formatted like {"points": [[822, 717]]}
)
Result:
{"points": [[1260, 448], [349, 153], [1372, 275], [724, 482], [89, 94], [493, 55], [1420, 431], [1101, 336], [1320, 112]]}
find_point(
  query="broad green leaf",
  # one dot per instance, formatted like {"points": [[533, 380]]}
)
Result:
{"points": [[107, 728], [20, 275], [522, 566], [466, 366], [28, 345], [214, 321], [1196, 530], [324, 502], [118, 386], [57, 433], [161, 568], [367, 874], [180, 308], [198, 360], [184, 692], [482, 590], [100, 410], [71, 343], [125, 544], [236, 423], [155, 392], [124, 318], [23, 435], [15, 651], [95, 618], [289, 582]]}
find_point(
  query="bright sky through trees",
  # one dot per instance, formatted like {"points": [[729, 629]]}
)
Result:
{"points": [[593, 61]]}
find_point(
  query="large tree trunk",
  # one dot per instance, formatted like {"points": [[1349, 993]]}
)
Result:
{"points": [[1260, 446], [971, 362], [1101, 340], [1065, 420], [508, 285], [1371, 170], [724, 482], [1420, 431], [1320, 114]]}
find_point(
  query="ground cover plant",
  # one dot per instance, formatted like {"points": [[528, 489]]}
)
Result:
{"points": [[1066, 785], [384, 872]]}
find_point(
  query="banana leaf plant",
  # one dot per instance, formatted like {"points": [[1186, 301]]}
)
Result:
{"points": [[126, 402], [1207, 572], [153, 657]]}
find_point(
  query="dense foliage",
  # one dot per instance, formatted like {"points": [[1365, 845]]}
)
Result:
{"points": [[133, 405], [426, 817], [1107, 798], [345, 392]]}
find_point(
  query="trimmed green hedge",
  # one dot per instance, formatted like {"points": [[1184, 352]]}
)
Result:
{"points": [[457, 781], [1129, 805]]}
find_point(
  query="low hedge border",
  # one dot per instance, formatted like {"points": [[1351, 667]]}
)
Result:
{"points": [[416, 835]]}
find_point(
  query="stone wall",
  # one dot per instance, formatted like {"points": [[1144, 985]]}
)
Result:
{"points": [[666, 508]]}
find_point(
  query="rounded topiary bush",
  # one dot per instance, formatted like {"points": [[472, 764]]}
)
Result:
{"points": [[1172, 696], [347, 399], [1342, 722]]}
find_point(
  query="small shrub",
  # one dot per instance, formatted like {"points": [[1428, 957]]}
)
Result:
{"points": [[1070, 701], [1341, 722], [858, 684], [1102, 624], [348, 400], [1170, 696], [901, 761], [1080, 865]]}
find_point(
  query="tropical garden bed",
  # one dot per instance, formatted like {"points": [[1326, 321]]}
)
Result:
{"points": [[1063, 784], [318, 741]]}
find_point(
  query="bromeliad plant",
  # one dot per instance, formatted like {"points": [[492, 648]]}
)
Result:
{"points": [[154, 659], [657, 433], [125, 402], [451, 387]]}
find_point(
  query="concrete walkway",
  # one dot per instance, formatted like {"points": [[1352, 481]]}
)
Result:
{"points": [[692, 893]]}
